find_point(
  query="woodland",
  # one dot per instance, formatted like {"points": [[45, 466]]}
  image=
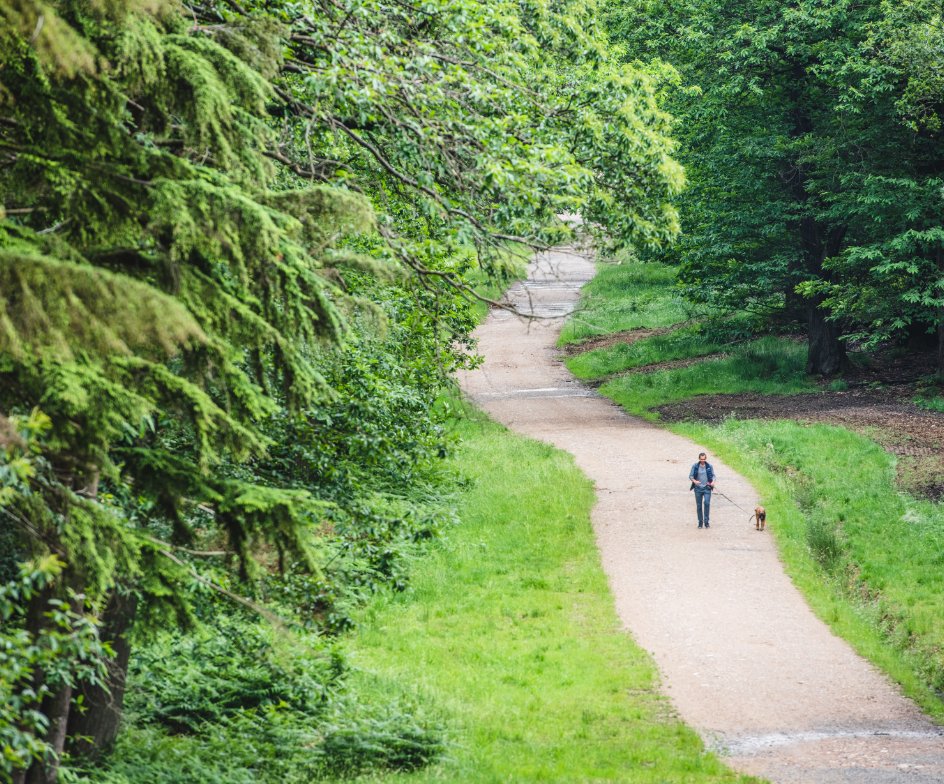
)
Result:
{"points": [[243, 247]]}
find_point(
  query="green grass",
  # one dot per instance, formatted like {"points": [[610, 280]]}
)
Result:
{"points": [[625, 296], [931, 403], [510, 628], [766, 366], [869, 559], [682, 343]]}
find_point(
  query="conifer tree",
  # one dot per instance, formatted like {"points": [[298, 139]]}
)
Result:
{"points": [[193, 196], [153, 293]]}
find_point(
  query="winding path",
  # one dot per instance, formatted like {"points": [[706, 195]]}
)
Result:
{"points": [[743, 659]]}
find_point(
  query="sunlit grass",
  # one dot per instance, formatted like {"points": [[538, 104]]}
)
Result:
{"points": [[510, 628], [625, 296], [683, 343], [766, 366]]}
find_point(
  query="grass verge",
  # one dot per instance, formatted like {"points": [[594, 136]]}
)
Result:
{"points": [[767, 366], [869, 560], [683, 343], [510, 627], [625, 295]]}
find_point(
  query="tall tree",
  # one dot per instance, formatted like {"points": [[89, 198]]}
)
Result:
{"points": [[793, 135], [889, 282], [194, 199]]}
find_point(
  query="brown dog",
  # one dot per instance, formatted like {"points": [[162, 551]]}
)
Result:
{"points": [[759, 517]]}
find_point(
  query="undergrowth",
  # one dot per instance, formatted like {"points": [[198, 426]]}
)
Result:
{"points": [[240, 699], [933, 403]]}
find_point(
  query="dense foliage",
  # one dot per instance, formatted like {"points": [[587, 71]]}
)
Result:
{"points": [[236, 241], [811, 135]]}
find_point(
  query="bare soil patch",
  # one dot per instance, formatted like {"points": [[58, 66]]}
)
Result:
{"points": [[616, 338]]}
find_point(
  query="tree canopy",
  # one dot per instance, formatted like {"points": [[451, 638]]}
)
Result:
{"points": [[235, 247], [812, 139]]}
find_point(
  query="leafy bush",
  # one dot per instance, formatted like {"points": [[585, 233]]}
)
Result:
{"points": [[215, 673], [364, 737]]}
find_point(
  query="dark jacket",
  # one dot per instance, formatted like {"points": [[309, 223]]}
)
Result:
{"points": [[694, 472]]}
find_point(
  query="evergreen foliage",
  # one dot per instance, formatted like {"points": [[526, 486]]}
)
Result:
{"points": [[235, 240]]}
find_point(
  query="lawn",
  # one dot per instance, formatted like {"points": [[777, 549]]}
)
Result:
{"points": [[625, 295]]}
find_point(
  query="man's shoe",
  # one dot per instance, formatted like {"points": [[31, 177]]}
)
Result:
{"points": [[707, 526], [699, 525]]}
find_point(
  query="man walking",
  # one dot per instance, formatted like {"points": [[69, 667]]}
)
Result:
{"points": [[702, 478]]}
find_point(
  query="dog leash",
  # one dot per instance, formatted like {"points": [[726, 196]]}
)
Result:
{"points": [[729, 500]]}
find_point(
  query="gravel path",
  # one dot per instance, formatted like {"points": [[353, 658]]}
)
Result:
{"points": [[743, 659]]}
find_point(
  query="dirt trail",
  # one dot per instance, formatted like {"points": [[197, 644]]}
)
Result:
{"points": [[743, 659]]}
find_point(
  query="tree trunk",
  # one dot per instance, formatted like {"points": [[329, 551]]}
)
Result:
{"points": [[940, 320], [826, 354], [55, 707], [93, 730], [940, 343]]}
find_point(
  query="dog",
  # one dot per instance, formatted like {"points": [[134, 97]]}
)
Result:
{"points": [[759, 517]]}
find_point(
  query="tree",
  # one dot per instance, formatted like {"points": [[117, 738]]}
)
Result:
{"points": [[150, 294], [890, 281], [793, 135], [208, 211]]}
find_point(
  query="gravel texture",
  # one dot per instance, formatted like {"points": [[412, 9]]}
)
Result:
{"points": [[743, 659]]}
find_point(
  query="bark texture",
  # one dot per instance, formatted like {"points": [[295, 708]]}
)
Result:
{"points": [[92, 731]]}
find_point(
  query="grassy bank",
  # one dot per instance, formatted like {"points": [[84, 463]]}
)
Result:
{"points": [[680, 343], [868, 558], [626, 294], [769, 366], [510, 628]]}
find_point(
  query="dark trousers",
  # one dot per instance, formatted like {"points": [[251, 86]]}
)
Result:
{"points": [[703, 504]]}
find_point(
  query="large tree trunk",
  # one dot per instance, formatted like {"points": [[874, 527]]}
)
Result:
{"points": [[55, 707], [826, 354], [940, 343], [93, 730], [940, 320]]}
